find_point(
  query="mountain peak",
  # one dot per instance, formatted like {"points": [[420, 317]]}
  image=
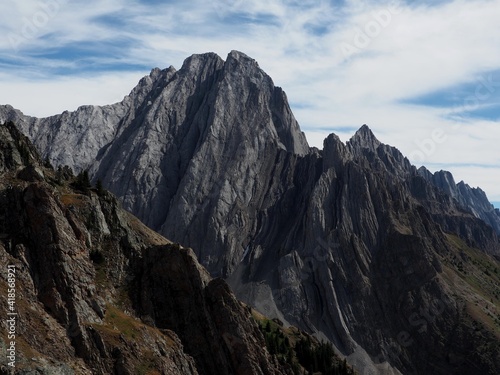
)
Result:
{"points": [[197, 62], [238, 55], [241, 57], [364, 138]]}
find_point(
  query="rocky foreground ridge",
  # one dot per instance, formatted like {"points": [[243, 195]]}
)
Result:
{"points": [[97, 292], [394, 265]]}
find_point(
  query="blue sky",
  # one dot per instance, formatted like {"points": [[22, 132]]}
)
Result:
{"points": [[424, 75]]}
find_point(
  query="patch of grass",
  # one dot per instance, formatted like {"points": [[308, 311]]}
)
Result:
{"points": [[478, 281], [109, 334], [101, 278], [154, 238], [123, 323], [477, 268], [76, 200], [117, 323]]}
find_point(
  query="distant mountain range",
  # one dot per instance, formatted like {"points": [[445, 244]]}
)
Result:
{"points": [[396, 266]]}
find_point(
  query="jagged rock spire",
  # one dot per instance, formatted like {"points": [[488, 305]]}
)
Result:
{"points": [[364, 138]]}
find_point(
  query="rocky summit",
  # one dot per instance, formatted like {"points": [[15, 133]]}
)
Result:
{"points": [[395, 266]]}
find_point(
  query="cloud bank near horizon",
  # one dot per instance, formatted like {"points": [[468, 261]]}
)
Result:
{"points": [[425, 76]]}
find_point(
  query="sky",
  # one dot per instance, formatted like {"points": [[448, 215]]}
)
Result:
{"points": [[423, 75]]}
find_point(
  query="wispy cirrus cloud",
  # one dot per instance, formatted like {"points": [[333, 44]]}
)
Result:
{"points": [[405, 68]]}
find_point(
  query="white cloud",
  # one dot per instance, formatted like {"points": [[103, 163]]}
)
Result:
{"points": [[418, 50], [43, 98]]}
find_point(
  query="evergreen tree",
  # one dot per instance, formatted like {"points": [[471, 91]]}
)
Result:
{"points": [[99, 187], [82, 182], [47, 164]]}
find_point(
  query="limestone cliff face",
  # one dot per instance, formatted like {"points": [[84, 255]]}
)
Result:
{"points": [[152, 149], [352, 243], [100, 293]]}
